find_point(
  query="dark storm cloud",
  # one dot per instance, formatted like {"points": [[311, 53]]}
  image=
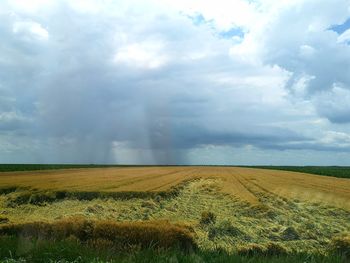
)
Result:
{"points": [[338, 117], [75, 86], [187, 136]]}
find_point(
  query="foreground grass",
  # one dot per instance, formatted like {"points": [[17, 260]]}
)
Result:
{"points": [[14, 249]]}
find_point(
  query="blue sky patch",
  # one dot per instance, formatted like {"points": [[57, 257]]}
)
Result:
{"points": [[236, 31], [340, 29], [198, 19]]}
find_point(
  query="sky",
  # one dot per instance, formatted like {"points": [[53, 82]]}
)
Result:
{"points": [[240, 82]]}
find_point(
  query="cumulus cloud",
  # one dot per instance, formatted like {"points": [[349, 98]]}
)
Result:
{"points": [[173, 82], [145, 54], [344, 37], [334, 104], [30, 29]]}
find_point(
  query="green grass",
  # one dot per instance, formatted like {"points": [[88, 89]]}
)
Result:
{"points": [[35, 167], [14, 249], [335, 171]]}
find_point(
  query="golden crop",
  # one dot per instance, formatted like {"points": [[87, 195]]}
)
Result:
{"points": [[239, 182]]}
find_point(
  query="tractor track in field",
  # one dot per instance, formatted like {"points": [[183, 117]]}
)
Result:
{"points": [[143, 178], [266, 196], [173, 182], [245, 185]]}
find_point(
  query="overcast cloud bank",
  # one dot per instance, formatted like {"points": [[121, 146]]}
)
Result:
{"points": [[144, 82]]}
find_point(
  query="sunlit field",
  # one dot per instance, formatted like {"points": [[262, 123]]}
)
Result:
{"points": [[175, 131], [242, 212]]}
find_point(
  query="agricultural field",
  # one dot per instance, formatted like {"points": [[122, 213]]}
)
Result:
{"points": [[241, 212]]}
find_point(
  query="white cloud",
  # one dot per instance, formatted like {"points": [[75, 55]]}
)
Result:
{"points": [[307, 51], [344, 37], [147, 54], [333, 138], [29, 6], [299, 88], [224, 14], [334, 104], [9, 116], [31, 29]]}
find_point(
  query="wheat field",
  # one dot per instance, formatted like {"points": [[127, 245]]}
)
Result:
{"points": [[243, 183], [249, 207]]}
